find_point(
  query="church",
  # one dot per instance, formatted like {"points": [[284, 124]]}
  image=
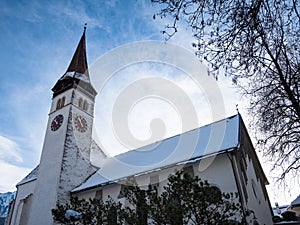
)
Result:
{"points": [[220, 152]]}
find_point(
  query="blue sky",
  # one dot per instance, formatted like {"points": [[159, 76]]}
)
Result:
{"points": [[38, 39]]}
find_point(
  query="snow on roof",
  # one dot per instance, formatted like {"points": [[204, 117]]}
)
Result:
{"points": [[30, 177], [296, 201], [80, 76], [34, 173], [204, 141]]}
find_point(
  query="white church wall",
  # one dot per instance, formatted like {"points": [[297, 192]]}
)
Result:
{"points": [[64, 149], [76, 164], [252, 181], [22, 205], [112, 190], [256, 199], [219, 173], [90, 194], [45, 195]]}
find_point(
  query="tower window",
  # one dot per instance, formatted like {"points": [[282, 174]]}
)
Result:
{"points": [[85, 105], [60, 103], [80, 103]]}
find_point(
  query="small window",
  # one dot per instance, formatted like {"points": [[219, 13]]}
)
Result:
{"points": [[80, 103], [154, 182], [60, 103], [98, 195], [85, 105], [189, 170], [122, 191]]}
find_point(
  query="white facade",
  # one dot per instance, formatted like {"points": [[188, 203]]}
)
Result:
{"points": [[223, 171], [64, 149], [22, 205]]}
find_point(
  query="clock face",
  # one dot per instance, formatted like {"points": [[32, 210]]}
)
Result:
{"points": [[57, 122], [80, 124]]}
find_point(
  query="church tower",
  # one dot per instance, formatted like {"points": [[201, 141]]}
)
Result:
{"points": [[64, 162]]}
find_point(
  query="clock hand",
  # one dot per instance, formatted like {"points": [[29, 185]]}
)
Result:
{"points": [[79, 119]]}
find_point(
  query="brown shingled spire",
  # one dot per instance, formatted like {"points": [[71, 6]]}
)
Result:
{"points": [[78, 64], [77, 73]]}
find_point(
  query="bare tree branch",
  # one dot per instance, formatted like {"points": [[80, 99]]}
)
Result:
{"points": [[258, 41]]}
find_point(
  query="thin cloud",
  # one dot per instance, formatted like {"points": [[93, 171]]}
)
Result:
{"points": [[30, 121], [9, 150], [11, 175], [29, 11], [74, 13], [157, 102]]}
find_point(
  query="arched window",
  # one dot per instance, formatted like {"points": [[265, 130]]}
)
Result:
{"points": [[85, 105], [80, 103], [122, 191], [62, 103], [58, 104], [99, 194]]}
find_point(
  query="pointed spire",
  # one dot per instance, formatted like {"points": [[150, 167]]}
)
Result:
{"points": [[78, 65], [77, 73]]}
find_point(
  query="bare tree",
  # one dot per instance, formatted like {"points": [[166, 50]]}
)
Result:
{"points": [[256, 43]]}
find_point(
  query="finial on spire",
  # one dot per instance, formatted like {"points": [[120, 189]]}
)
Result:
{"points": [[84, 28], [237, 108]]}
